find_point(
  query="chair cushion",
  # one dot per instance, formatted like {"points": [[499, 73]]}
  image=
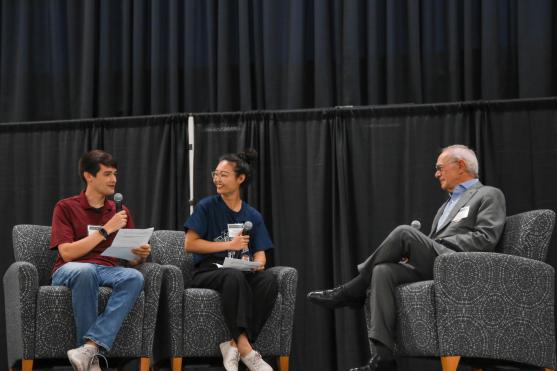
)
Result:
{"points": [[496, 306], [31, 243], [168, 248], [528, 234], [416, 332], [204, 326], [56, 328]]}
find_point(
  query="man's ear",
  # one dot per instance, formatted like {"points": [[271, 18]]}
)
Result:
{"points": [[462, 166], [242, 178], [88, 176]]}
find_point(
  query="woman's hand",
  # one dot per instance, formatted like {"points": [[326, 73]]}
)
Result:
{"points": [[259, 269], [239, 243], [260, 257]]}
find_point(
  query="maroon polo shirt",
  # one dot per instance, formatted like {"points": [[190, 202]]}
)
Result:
{"points": [[70, 219]]}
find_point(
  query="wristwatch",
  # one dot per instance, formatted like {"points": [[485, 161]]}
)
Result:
{"points": [[103, 233]]}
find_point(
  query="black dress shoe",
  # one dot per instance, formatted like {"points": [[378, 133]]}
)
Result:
{"points": [[333, 298], [376, 364]]}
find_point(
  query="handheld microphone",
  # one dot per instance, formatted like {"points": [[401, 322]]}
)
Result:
{"points": [[416, 224], [247, 228], [118, 198], [404, 261], [244, 254]]}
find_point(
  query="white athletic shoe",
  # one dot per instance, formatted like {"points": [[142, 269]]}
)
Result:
{"points": [[230, 356], [255, 363], [82, 358]]}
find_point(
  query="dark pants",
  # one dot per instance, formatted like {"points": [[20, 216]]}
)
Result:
{"points": [[247, 298], [381, 274]]}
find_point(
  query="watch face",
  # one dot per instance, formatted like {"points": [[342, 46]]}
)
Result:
{"points": [[93, 228]]}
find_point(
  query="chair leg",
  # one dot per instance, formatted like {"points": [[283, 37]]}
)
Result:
{"points": [[176, 363], [26, 365], [144, 363], [283, 363], [449, 363]]}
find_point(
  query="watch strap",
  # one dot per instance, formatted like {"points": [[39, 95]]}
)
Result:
{"points": [[103, 233]]}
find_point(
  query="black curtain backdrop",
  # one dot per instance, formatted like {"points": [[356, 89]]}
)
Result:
{"points": [[331, 184], [65, 59]]}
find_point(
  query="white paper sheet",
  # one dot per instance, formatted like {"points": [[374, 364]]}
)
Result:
{"points": [[126, 240], [240, 264]]}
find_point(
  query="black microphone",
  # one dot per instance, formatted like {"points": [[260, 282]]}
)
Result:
{"points": [[118, 198], [416, 224], [244, 254]]}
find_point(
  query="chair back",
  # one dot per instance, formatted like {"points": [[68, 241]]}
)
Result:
{"points": [[31, 243], [167, 247], [528, 234]]}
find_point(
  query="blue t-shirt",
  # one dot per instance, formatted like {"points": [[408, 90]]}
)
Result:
{"points": [[210, 220]]}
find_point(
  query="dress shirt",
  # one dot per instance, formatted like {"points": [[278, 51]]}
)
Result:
{"points": [[454, 196]]}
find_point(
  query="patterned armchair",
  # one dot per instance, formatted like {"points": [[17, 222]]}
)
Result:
{"points": [[491, 308], [39, 317], [191, 320]]}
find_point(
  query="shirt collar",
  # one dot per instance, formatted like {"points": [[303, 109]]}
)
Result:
{"points": [[219, 198], [85, 204], [464, 186]]}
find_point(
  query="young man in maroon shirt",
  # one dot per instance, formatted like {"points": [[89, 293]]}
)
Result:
{"points": [[83, 226]]}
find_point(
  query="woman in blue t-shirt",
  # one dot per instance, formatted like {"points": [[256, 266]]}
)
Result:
{"points": [[247, 297]]}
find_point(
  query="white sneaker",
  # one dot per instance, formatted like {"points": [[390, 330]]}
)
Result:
{"points": [[95, 366], [82, 358], [230, 356], [255, 363]]}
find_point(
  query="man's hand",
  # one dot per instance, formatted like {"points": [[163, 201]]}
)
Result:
{"points": [[142, 251], [238, 243], [117, 222]]}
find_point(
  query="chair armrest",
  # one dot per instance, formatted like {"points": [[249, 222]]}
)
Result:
{"points": [[287, 278], [152, 275], [21, 285], [169, 332], [497, 306]]}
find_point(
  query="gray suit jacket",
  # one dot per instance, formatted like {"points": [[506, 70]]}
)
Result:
{"points": [[475, 223]]}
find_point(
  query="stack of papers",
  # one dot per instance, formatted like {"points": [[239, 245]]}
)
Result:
{"points": [[240, 264], [125, 241]]}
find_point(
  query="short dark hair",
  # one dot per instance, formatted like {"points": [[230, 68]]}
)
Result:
{"points": [[244, 162], [92, 160]]}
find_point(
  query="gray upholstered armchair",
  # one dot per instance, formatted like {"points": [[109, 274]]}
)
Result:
{"points": [[486, 307], [39, 317], [191, 321]]}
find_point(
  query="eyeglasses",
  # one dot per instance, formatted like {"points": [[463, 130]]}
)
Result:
{"points": [[440, 167], [220, 174]]}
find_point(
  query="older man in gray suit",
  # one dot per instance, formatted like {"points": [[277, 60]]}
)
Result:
{"points": [[472, 219]]}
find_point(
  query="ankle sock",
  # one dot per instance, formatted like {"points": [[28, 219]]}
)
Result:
{"points": [[356, 288], [92, 346]]}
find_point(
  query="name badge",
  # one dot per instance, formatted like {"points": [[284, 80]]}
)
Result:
{"points": [[92, 229], [462, 213]]}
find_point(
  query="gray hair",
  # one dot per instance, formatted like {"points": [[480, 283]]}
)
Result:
{"points": [[461, 152]]}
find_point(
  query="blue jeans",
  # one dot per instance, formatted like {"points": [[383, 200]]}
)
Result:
{"points": [[84, 279]]}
